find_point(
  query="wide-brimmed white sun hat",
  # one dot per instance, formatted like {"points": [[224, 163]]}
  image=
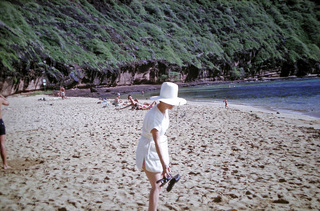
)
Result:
{"points": [[169, 94]]}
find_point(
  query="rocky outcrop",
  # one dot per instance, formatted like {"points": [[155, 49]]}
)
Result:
{"points": [[50, 74]]}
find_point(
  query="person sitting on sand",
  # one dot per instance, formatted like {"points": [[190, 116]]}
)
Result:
{"points": [[117, 101], [152, 154], [3, 150]]}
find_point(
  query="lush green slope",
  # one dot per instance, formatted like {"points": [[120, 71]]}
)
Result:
{"points": [[233, 39]]}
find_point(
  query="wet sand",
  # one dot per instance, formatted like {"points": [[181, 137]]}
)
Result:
{"points": [[77, 155]]}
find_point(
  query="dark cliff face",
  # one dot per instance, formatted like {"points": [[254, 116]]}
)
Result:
{"points": [[124, 42]]}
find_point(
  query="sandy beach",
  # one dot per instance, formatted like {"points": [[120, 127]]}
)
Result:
{"points": [[75, 154]]}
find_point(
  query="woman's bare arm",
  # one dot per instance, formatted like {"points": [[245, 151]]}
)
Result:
{"points": [[156, 138]]}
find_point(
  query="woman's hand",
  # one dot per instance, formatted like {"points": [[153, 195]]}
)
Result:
{"points": [[166, 171]]}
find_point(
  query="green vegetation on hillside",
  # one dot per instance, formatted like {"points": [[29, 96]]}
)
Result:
{"points": [[235, 39]]}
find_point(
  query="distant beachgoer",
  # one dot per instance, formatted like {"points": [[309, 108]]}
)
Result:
{"points": [[132, 101], [3, 150], [225, 103], [62, 93], [104, 102], [117, 100], [152, 154], [138, 106]]}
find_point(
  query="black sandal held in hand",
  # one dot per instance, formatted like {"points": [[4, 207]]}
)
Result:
{"points": [[164, 180], [173, 181]]}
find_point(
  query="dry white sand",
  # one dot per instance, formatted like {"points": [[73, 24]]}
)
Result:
{"points": [[76, 155]]}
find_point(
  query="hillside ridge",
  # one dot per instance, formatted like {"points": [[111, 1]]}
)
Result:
{"points": [[86, 43]]}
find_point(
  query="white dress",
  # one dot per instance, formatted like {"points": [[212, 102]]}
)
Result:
{"points": [[146, 150]]}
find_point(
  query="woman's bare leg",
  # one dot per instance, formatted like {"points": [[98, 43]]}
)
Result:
{"points": [[3, 151], [155, 189]]}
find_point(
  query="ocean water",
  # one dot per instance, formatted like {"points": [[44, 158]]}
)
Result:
{"points": [[298, 95]]}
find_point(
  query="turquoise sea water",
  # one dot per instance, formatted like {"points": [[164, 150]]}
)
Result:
{"points": [[301, 95]]}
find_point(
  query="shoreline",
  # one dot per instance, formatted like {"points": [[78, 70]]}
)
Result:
{"points": [[299, 117], [104, 92], [136, 89]]}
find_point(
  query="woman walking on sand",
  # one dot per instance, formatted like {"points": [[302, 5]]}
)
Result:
{"points": [[152, 154]]}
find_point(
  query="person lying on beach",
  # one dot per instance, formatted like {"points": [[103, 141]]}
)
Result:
{"points": [[3, 150], [145, 106], [104, 101], [136, 105], [131, 102], [152, 155]]}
